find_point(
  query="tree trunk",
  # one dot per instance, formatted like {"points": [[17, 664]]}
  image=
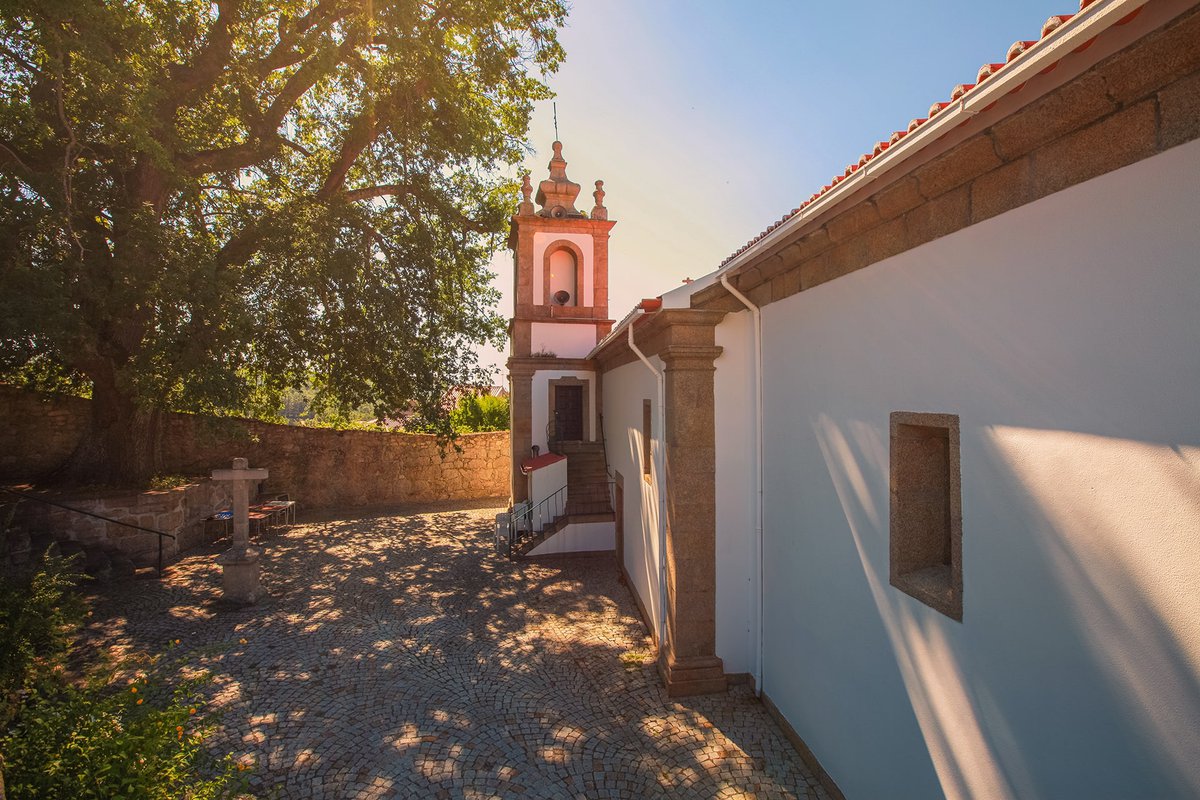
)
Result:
{"points": [[121, 444]]}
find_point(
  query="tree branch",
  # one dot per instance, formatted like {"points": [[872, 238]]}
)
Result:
{"points": [[370, 192], [213, 56]]}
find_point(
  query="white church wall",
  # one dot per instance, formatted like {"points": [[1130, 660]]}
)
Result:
{"points": [[1066, 336], [546, 481], [541, 240], [541, 402], [625, 389], [565, 340], [736, 504], [579, 537]]}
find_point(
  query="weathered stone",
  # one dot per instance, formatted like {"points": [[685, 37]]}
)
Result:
{"points": [[1123, 138], [1000, 190], [1179, 112], [1062, 111], [954, 168]]}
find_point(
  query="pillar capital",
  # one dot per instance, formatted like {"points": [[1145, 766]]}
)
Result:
{"points": [[695, 357]]}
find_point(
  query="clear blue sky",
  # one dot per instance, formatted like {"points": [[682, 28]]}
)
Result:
{"points": [[709, 119]]}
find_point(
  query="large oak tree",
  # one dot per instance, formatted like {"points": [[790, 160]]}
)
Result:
{"points": [[202, 203]]}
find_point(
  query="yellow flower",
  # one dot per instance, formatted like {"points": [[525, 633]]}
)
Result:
{"points": [[191, 711], [176, 641], [133, 689], [241, 641], [139, 702]]}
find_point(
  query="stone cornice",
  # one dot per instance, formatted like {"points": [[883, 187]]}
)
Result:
{"points": [[668, 327], [527, 365], [534, 224]]}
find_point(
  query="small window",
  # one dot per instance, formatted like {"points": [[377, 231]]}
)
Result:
{"points": [[647, 438], [926, 510]]}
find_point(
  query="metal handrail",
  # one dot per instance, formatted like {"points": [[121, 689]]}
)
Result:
{"points": [[525, 519], [37, 499], [604, 445]]}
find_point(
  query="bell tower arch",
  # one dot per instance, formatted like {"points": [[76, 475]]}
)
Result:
{"points": [[560, 290]]}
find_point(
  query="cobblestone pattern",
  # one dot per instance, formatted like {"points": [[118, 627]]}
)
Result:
{"points": [[399, 657]]}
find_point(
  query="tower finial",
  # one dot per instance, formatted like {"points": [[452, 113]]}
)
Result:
{"points": [[526, 207], [555, 106], [599, 211], [557, 194]]}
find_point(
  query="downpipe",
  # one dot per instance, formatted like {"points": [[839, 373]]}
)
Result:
{"points": [[660, 467], [756, 316]]}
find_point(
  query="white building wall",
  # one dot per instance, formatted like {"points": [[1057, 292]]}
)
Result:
{"points": [[1066, 335], [541, 402], [541, 240], [579, 537], [737, 587], [564, 339], [624, 390], [546, 481]]}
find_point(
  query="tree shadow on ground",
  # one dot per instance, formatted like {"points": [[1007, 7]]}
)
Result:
{"points": [[399, 656]]}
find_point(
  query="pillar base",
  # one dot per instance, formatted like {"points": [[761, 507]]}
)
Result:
{"points": [[691, 676], [240, 575]]}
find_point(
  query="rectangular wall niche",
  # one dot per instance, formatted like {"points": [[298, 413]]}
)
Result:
{"points": [[926, 510]]}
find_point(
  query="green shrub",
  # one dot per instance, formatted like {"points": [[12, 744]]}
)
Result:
{"points": [[101, 739], [39, 613], [114, 741], [160, 483], [476, 413]]}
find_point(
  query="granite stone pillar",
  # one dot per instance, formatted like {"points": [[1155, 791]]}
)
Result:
{"points": [[688, 661], [521, 416]]}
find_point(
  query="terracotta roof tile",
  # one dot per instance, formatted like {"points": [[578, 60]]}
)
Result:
{"points": [[960, 90], [530, 464], [985, 72], [1016, 48]]}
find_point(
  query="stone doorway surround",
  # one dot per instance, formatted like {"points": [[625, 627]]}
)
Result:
{"points": [[586, 410]]}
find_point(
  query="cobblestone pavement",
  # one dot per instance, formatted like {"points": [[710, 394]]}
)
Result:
{"points": [[398, 656]]}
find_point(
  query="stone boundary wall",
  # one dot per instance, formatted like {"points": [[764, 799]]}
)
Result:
{"points": [[317, 467], [180, 511]]}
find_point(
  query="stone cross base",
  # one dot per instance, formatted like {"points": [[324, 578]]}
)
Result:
{"points": [[239, 570]]}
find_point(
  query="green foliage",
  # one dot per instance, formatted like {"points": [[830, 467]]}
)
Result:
{"points": [[205, 203], [104, 738], [161, 483], [39, 612], [475, 413], [108, 740], [309, 407]]}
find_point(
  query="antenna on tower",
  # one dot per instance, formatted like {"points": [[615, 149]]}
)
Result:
{"points": [[555, 106]]}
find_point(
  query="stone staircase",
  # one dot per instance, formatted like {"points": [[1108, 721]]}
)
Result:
{"points": [[589, 497], [588, 492]]}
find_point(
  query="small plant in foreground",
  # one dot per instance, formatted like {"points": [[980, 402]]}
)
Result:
{"points": [[101, 738], [111, 740]]}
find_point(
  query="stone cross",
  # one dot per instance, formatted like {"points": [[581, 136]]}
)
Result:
{"points": [[239, 564]]}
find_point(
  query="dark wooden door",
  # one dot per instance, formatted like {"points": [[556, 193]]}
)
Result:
{"points": [[568, 412]]}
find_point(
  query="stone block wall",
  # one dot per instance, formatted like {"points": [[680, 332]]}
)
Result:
{"points": [[318, 467], [180, 511]]}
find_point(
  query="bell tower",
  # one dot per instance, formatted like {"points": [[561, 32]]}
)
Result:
{"points": [[560, 282]]}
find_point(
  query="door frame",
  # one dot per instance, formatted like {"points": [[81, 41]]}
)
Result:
{"points": [[586, 406]]}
